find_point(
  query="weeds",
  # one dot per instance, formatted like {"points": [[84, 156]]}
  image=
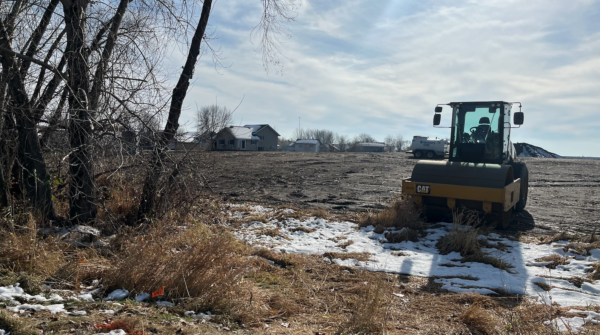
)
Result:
{"points": [[543, 285], [367, 315], [196, 262], [401, 214], [15, 326], [555, 260], [463, 238], [479, 319], [26, 252]]}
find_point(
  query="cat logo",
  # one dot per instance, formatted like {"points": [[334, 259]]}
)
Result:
{"points": [[422, 189]]}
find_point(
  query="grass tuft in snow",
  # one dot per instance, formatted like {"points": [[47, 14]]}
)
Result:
{"points": [[543, 285], [596, 272], [402, 213], [463, 238]]}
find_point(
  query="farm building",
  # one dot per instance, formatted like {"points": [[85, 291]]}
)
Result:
{"points": [[307, 146], [248, 138], [369, 147]]}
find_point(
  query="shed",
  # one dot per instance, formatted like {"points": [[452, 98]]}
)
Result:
{"points": [[307, 146], [370, 147]]}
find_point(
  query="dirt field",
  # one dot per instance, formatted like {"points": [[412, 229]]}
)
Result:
{"points": [[564, 194]]}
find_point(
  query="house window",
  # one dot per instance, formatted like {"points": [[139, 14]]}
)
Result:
{"points": [[261, 149], [262, 137], [221, 141], [253, 142], [243, 144], [231, 142]]}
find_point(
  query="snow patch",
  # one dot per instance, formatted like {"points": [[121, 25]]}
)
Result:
{"points": [[423, 259]]}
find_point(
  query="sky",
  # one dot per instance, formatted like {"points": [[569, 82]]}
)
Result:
{"points": [[381, 66]]}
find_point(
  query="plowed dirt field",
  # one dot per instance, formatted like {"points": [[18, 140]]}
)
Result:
{"points": [[564, 194]]}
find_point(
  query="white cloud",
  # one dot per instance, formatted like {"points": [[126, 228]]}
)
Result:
{"points": [[355, 67]]}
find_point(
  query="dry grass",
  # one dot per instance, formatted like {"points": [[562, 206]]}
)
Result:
{"points": [[595, 275], [368, 314], [14, 326], [319, 213], [562, 236], [402, 213], [196, 263], [23, 251], [463, 238], [556, 260], [582, 248], [345, 244], [543, 285], [303, 229], [277, 258], [406, 234], [359, 256], [480, 319]]}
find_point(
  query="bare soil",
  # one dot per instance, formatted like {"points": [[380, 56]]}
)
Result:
{"points": [[564, 194]]}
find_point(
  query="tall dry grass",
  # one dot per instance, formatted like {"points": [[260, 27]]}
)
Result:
{"points": [[196, 262], [402, 213], [22, 250], [463, 238], [369, 314]]}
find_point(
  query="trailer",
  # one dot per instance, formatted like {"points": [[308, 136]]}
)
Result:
{"points": [[423, 146]]}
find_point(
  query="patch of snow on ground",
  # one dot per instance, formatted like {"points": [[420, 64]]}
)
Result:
{"points": [[3, 332], [58, 308], [114, 332], [423, 259], [575, 324]]}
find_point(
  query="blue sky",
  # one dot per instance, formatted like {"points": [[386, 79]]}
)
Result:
{"points": [[380, 67]]}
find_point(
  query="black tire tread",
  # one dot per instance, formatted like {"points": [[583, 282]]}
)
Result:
{"points": [[520, 171]]}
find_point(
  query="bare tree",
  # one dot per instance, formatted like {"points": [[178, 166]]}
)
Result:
{"points": [[364, 138], [210, 120], [399, 142]]}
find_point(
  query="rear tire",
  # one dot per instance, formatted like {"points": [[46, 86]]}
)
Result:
{"points": [[520, 171], [418, 154], [430, 154]]}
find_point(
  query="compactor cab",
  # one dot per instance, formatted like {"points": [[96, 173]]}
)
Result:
{"points": [[482, 172]]}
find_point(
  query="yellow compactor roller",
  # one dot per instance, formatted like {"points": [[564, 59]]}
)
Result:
{"points": [[482, 172]]}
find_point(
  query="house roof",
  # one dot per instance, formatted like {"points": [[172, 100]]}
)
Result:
{"points": [[308, 142], [258, 127], [242, 133]]}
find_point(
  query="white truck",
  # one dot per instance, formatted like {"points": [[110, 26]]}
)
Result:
{"points": [[422, 146]]}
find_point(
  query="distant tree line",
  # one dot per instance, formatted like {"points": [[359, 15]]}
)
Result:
{"points": [[343, 142]]}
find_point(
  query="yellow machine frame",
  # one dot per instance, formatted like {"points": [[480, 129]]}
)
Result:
{"points": [[507, 196]]}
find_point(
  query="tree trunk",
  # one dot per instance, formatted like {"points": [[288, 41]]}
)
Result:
{"points": [[54, 119], [82, 191], [35, 177], [147, 204]]}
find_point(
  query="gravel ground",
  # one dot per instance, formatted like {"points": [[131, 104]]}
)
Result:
{"points": [[564, 194]]}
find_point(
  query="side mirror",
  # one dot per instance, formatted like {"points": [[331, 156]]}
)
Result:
{"points": [[438, 109], [436, 119], [518, 118]]}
